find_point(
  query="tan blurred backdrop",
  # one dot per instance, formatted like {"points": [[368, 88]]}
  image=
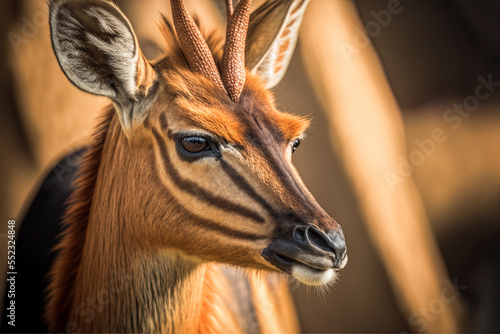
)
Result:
{"points": [[398, 79]]}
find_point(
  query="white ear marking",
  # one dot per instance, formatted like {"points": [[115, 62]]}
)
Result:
{"points": [[275, 46]]}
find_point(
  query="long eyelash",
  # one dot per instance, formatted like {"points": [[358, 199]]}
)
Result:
{"points": [[195, 133]]}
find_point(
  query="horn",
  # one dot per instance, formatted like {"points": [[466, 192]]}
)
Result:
{"points": [[233, 61], [193, 44], [229, 8]]}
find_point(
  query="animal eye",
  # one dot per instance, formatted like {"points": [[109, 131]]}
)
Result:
{"points": [[296, 143], [194, 144]]}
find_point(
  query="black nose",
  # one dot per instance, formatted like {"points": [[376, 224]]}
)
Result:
{"points": [[331, 241]]}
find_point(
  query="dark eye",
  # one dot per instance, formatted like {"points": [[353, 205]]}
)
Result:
{"points": [[194, 144], [296, 143]]}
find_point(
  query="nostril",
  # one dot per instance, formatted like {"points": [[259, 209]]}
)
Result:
{"points": [[299, 234], [314, 241], [319, 239], [331, 241]]}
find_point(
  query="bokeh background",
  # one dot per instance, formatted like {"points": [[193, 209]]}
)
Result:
{"points": [[403, 150]]}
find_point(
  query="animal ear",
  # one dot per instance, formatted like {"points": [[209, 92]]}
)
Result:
{"points": [[272, 36], [98, 51]]}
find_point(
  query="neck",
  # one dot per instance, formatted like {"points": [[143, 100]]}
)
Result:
{"points": [[120, 280], [125, 283], [114, 274], [160, 292], [147, 292]]}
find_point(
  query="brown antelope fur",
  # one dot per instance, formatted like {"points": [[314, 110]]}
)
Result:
{"points": [[153, 240]]}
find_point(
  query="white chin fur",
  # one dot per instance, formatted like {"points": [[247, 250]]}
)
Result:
{"points": [[311, 276]]}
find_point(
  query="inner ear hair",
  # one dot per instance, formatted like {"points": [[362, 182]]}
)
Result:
{"points": [[272, 36], [97, 50]]}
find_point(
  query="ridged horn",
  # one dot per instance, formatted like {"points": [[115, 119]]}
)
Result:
{"points": [[193, 44], [229, 8], [233, 61]]}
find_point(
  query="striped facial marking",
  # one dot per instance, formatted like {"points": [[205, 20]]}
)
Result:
{"points": [[227, 166]]}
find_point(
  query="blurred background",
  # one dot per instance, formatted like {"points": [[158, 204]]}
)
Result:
{"points": [[403, 151]]}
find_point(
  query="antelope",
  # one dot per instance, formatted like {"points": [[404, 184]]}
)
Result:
{"points": [[187, 209]]}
